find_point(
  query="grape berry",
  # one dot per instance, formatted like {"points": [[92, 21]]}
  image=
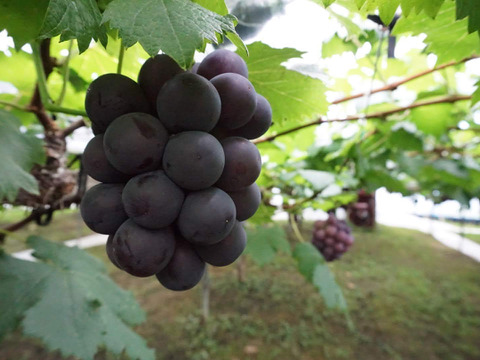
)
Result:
{"points": [[332, 237], [177, 166]]}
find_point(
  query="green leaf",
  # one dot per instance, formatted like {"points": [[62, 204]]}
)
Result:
{"points": [[265, 242], [430, 7], [319, 179], [377, 178], [294, 97], [434, 119], [22, 19], [450, 167], [19, 152], [313, 267], [476, 94], [387, 10], [353, 30], [68, 301], [177, 27], [405, 140], [337, 45], [74, 19], [217, 6], [446, 38], [325, 3], [78, 83], [471, 9], [335, 201]]}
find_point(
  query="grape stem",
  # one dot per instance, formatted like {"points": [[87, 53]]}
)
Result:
{"points": [[65, 73], [15, 106], [121, 55], [294, 226], [206, 294], [42, 86]]}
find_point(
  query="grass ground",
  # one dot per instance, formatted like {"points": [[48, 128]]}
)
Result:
{"points": [[409, 297], [473, 237]]}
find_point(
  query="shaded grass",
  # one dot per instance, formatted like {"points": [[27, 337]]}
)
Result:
{"points": [[409, 296]]}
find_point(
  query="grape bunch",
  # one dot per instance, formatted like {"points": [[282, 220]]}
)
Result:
{"points": [[176, 166], [332, 237], [362, 212]]}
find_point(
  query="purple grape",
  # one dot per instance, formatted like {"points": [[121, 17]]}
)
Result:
{"points": [[110, 96], [239, 100], [185, 269], [222, 61]]}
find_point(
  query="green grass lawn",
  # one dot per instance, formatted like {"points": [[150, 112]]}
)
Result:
{"points": [[473, 237], [409, 297]]}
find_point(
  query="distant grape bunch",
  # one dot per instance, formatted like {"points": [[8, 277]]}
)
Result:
{"points": [[176, 166], [362, 212], [332, 237]]}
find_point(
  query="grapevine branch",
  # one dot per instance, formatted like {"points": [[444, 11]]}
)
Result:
{"points": [[395, 85], [44, 67], [58, 185], [379, 114], [76, 125]]}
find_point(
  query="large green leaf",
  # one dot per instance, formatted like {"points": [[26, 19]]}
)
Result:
{"points": [[217, 6], [476, 94], [294, 97], [337, 45], [447, 38], [434, 119], [264, 243], [22, 19], [68, 301], [19, 152], [470, 8], [319, 179], [177, 27], [430, 7], [74, 19], [313, 267]]}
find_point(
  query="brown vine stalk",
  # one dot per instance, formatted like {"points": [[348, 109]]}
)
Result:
{"points": [[395, 85], [379, 114]]}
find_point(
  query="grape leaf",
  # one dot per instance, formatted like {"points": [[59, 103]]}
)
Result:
{"points": [[476, 94], [74, 19], [446, 38], [405, 140], [471, 9], [265, 242], [313, 267], [319, 179], [19, 152], [434, 119], [337, 45], [22, 19], [293, 96], [325, 3], [217, 6], [430, 7], [376, 178], [386, 8], [67, 300], [177, 27]]}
